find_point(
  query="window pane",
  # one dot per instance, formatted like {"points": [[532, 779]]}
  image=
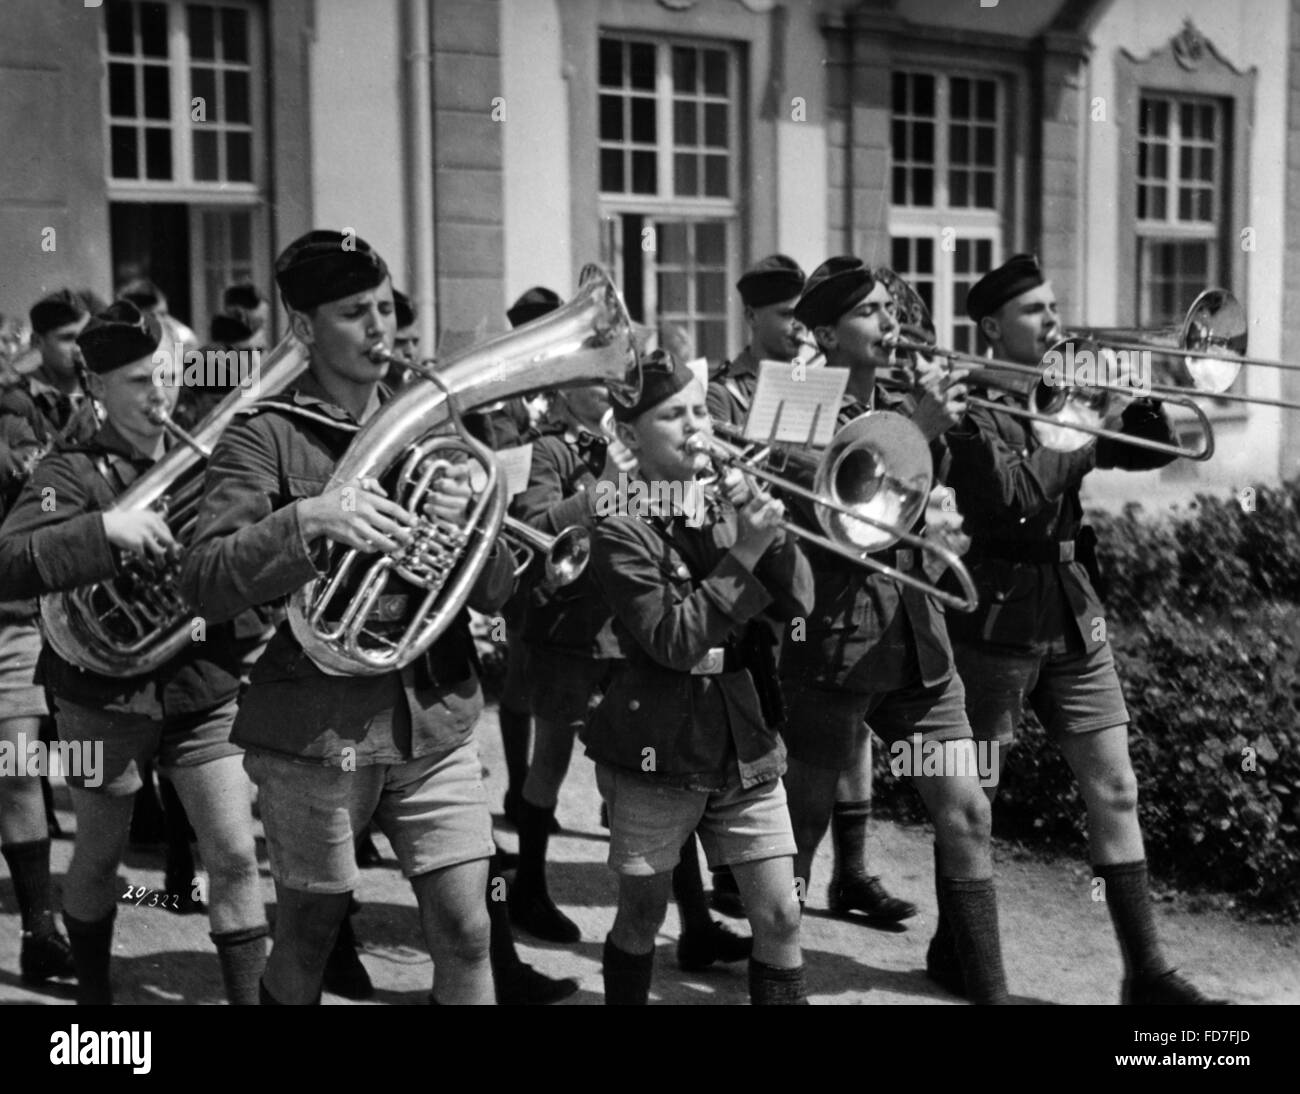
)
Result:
{"points": [[1142, 203], [1207, 164], [984, 152], [923, 142], [986, 106], [715, 72], [237, 108], [643, 120], [923, 186], [234, 34], [611, 63], [158, 153], [686, 175], [715, 176], [958, 144], [202, 32], [203, 85], [684, 74], [644, 173], [984, 188], [674, 291], [900, 85], [1185, 157], [205, 156], [1187, 120], [153, 30], [958, 189], [121, 33], [711, 244], [924, 256], [712, 289], [898, 140], [672, 242], [611, 118], [715, 125], [611, 170], [898, 254], [121, 90], [1160, 161], [1159, 203], [923, 96], [1204, 210], [123, 151], [960, 98], [685, 124], [898, 192], [239, 157], [642, 65], [157, 92]]}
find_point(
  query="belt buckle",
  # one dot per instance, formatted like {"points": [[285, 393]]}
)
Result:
{"points": [[711, 663], [1067, 550], [904, 558]]}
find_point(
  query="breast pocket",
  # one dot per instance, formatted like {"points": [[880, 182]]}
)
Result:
{"points": [[303, 486]]}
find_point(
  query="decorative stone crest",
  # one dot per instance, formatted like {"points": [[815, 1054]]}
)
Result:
{"points": [[1189, 46]]}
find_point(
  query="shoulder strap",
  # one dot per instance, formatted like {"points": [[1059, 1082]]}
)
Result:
{"points": [[284, 404]]}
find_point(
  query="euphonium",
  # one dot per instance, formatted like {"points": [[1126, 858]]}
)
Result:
{"points": [[137, 621], [339, 619]]}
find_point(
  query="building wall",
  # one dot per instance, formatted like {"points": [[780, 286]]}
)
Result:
{"points": [[1251, 36], [52, 166]]}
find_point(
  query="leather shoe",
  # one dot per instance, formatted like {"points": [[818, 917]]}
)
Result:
{"points": [[537, 914], [866, 894], [44, 956], [1166, 989], [697, 950], [521, 985]]}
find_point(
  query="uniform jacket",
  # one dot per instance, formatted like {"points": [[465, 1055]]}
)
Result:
{"points": [[677, 592], [1016, 495], [249, 549], [54, 540], [867, 631], [731, 389], [562, 492]]}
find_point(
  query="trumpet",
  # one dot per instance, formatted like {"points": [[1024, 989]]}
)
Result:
{"points": [[1065, 417], [870, 486], [565, 555]]}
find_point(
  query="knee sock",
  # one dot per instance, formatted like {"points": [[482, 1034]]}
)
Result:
{"points": [[627, 976], [688, 889], [942, 931], [972, 907], [29, 866], [516, 732], [534, 837], [773, 987], [92, 948], [501, 939], [849, 839], [242, 955], [1128, 897]]}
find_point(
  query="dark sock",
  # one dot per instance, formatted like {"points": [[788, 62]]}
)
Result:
{"points": [[92, 948], [849, 839], [501, 940], [264, 997], [516, 734], [47, 797], [1128, 897], [688, 889], [534, 836], [627, 976], [942, 931], [773, 987], [972, 907], [242, 955], [29, 866]]}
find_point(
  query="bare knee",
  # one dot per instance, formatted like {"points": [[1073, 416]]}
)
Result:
{"points": [[1114, 791], [965, 819], [464, 935], [776, 919]]}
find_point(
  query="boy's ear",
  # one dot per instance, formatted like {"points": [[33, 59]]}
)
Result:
{"points": [[826, 337], [95, 384], [626, 434], [300, 324], [992, 328]]}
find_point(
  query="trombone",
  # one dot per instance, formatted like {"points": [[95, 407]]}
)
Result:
{"points": [[870, 485], [1066, 417]]}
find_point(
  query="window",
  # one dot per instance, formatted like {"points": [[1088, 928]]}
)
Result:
{"points": [[186, 131], [948, 185], [668, 181], [1180, 199]]}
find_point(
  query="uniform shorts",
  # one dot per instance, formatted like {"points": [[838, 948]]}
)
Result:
{"points": [[433, 810], [824, 726], [1071, 691], [129, 740], [20, 646], [565, 687], [649, 822]]}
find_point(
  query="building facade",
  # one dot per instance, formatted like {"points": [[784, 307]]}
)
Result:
{"points": [[1143, 151]]}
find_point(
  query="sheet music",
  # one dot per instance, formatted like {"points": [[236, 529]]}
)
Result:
{"points": [[802, 402], [516, 465]]}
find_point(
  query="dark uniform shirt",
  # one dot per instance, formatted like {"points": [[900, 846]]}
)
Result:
{"points": [[731, 389], [1020, 502], [868, 632], [562, 492], [678, 592], [55, 540], [249, 549]]}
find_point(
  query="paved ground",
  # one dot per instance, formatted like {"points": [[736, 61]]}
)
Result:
{"points": [[1058, 943]]}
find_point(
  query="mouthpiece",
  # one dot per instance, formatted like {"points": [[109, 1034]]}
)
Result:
{"points": [[380, 354]]}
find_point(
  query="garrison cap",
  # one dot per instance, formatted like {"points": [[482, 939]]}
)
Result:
{"points": [[325, 265], [662, 376], [535, 303], [833, 288], [56, 310], [1017, 274], [770, 281], [119, 335]]}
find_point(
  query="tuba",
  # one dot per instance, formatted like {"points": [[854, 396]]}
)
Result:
{"points": [[371, 613], [136, 622]]}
